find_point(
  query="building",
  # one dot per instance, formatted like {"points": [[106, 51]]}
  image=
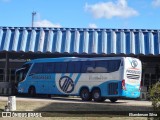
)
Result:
{"points": [[17, 44]]}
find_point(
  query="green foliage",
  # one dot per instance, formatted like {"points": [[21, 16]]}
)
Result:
{"points": [[155, 96]]}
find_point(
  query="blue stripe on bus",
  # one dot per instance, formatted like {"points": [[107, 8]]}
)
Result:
{"points": [[77, 78], [71, 74]]}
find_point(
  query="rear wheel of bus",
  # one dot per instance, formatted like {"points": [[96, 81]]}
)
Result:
{"points": [[96, 95], [85, 94], [32, 91]]}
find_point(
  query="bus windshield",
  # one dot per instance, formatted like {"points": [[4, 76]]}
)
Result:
{"points": [[22, 72]]}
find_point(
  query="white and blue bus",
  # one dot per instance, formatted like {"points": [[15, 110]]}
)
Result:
{"points": [[90, 78]]}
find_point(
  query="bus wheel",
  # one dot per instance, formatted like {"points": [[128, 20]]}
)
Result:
{"points": [[85, 95], [113, 100], [96, 95], [32, 91]]}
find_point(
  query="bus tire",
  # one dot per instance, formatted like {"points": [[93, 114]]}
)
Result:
{"points": [[32, 91], [113, 100], [96, 95], [85, 94]]}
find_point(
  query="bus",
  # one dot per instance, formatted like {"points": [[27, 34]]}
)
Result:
{"points": [[95, 79]]}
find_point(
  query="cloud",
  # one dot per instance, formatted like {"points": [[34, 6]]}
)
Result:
{"points": [[92, 25], [45, 23], [156, 3], [110, 9]]}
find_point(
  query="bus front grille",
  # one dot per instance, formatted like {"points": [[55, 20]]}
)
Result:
{"points": [[112, 88]]}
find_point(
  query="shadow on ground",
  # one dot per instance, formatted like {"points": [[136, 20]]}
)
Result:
{"points": [[90, 109], [60, 98], [76, 104]]}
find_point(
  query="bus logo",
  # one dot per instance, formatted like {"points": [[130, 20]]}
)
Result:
{"points": [[66, 84], [134, 63]]}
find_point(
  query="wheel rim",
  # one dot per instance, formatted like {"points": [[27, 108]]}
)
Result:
{"points": [[96, 95], [85, 95]]}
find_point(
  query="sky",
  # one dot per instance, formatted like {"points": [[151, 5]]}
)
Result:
{"points": [[116, 14]]}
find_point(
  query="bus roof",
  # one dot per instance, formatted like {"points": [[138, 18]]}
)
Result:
{"points": [[63, 59]]}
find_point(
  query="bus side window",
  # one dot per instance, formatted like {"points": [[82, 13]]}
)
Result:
{"points": [[60, 67], [101, 67], [48, 67], [37, 68], [88, 66], [113, 65], [70, 67], [74, 67], [78, 67]]}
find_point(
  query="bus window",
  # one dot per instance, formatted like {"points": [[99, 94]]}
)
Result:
{"points": [[88, 67], [20, 75], [48, 67], [60, 67], [107, 66], [37, 68], [113, 65], [74, 67], [22, 72], [101, 67]]}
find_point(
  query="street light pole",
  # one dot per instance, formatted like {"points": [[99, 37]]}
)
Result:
{"points": [[33, 14]]}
